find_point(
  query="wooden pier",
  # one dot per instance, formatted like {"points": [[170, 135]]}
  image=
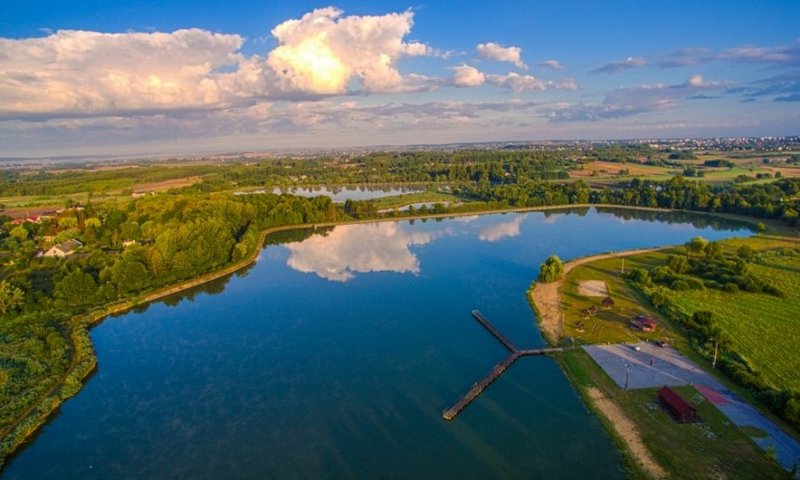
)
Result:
{"points": [[498, 369], [499, 336]]}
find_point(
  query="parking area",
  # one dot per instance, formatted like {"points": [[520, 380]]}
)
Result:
{"points": [[651, 366], [645, 365]]}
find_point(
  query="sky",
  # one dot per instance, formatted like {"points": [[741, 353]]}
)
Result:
{"points": [[100, 77]]}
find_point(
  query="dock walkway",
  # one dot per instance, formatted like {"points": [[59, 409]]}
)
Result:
{"points": [[498, 369]]}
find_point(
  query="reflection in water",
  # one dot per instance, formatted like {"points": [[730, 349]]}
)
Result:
{"points": [[347, 249], [502, 230], [696, 219]]}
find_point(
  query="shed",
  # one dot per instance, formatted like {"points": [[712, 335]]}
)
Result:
{"points": [[645, 324], [676, 405], [589, 311], [608, 302]]}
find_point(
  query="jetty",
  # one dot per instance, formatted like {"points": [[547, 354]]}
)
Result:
{"points": [[497, 334], [497, 370]]}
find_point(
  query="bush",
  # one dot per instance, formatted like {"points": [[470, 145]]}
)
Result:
{"points": [[731, 287], [679, 263], [695, 283], [640, 276], [680, 285]]}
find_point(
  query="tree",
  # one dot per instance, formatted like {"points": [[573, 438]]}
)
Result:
{"points": [[697, 245], [745, 252], [10, 297], [68, 222], [92, 222], [76, 288], [20, 233], [551, 270], [679, 263]]}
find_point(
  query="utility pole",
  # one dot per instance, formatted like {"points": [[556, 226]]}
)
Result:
{"points": [[716, 349], [623, 265], [627, 373]]}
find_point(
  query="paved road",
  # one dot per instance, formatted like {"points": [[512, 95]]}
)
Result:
{"points": [[673, 369]]}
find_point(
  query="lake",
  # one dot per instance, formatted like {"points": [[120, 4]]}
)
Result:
{"points": [[334, 355], [340, 194]]}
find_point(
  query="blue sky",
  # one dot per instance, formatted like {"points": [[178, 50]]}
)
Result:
{"points": [[147, 77]]}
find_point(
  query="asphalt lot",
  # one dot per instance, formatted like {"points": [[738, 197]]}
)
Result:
{"points": [[673, 369]]}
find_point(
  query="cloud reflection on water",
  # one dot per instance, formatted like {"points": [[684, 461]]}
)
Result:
{"points": [[502, 230], [351, 249]]}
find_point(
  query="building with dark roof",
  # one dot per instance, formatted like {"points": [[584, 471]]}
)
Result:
{"points": [[676, 405]]}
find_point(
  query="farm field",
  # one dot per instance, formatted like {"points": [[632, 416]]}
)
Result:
{"points": [[762, 328], [604, 169]]}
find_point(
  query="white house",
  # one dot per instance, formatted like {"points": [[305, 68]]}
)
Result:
{"points": [[64, 249]]}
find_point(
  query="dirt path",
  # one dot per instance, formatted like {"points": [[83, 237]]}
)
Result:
{"points": [[546, 297], [627, 432]]}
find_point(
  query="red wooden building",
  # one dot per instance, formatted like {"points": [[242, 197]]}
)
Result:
{"points": [[677, 406]]}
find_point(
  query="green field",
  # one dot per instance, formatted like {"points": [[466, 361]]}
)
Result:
{"points": [[607, 325], [397, 201], [713, 448], [762, 328]]}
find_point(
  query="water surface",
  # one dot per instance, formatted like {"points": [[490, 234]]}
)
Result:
{"points": [[335, 355], [340, 194]]}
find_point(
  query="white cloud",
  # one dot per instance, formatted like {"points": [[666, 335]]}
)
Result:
{"points": [[624, 102], [351, 249], [82, 73], [323, 51], [616, 67], [495, 51], [551, 65], [88, 72], [467, 76], [524, 83], [502, 230]]}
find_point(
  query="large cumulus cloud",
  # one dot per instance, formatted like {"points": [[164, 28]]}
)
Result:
{"points": [[82, 73]]}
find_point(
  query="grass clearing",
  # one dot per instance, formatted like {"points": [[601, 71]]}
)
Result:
{"points": [[609, 325], [396, 201]]}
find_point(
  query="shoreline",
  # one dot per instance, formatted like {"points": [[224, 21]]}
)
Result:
{"points": [[84, 360], [545, 299]]}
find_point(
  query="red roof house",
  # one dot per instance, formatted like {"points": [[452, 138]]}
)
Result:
{"points": [[645, 324], [676, 405]]}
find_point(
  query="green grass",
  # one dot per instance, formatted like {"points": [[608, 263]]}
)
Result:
{"points": [[713, 448], [610, 325], [396, 201], [762, 328]]}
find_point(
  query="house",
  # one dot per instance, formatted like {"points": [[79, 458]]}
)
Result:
{"points": [[676, 405], [28, 219], [608, 302], [128, 243], [64, 249], [590, 311], [645, 324]]}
